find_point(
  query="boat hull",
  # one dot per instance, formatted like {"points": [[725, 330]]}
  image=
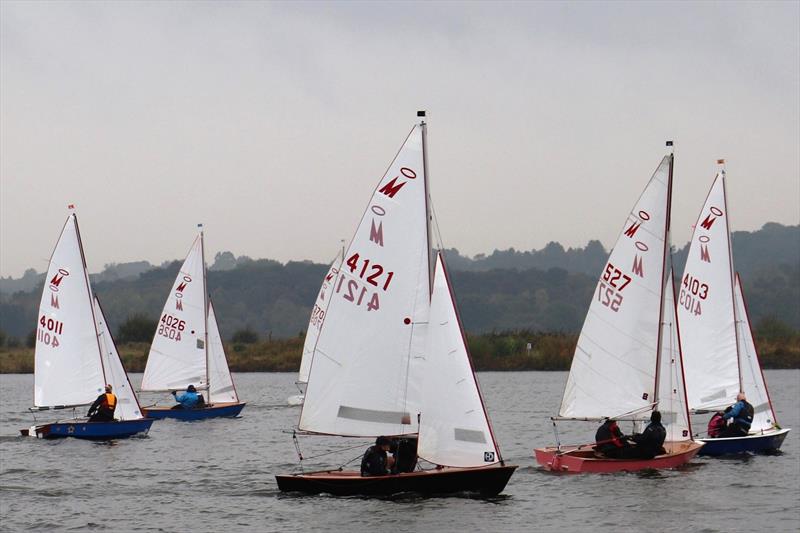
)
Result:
{"points": [[768, 441], [487, 481], [579, 459], [82, 429], [219, 410]]}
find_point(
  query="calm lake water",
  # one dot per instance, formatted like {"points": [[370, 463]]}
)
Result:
{"points": [[217, 475]]}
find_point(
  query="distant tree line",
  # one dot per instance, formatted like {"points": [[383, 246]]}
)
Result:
{"points": [[548, 290]]}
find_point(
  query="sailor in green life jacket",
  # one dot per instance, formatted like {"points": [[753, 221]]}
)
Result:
{"points": [[189, 399], [102, 410], [741, 416]]}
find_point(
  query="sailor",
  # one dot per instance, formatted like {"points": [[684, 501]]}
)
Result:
{"points": [[187, 400], [717, 423], [741, 414], [102, 410], [376, 461], [609, 439], [649, 443]]}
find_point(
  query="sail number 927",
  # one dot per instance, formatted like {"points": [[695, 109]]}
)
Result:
{"points": [[171, 327], [611, 285]]}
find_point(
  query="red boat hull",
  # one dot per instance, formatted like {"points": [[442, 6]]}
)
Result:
{"points": [[579, 459], [487, 481]]}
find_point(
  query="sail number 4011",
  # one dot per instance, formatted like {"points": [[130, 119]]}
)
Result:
{"points": [[49, 331], [611, 285]]}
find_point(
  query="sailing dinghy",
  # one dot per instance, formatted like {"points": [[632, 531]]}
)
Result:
{"points": [[390, 358], [314, 324], [75, 354], [627, 361], [719, 351], [187, 347]]}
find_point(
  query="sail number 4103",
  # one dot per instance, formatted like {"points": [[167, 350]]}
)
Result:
{"points": [[692, 291]]}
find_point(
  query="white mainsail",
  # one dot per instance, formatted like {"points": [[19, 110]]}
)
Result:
{"points": [[613, 370], [706, 309], [453, 427], [222, 389], [318, 317], [127, 404], [376, 319], [753, 383], [68, 368], [671, 391], [177, 356]]}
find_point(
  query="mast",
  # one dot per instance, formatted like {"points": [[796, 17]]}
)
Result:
{"points": [[89, 291], [424, 127], [737, 323], [667, 254], [205, 308]]}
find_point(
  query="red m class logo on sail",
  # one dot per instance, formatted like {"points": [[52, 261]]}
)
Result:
{"points": [[55, 285], [709, 221], [179, 292], [634, 227], [391, 188]]}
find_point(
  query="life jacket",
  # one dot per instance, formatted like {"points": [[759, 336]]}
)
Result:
{"points": [[109, 401], [608, 434], [745, 417]]}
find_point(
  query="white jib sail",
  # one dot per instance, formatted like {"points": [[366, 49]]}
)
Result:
{"points": [[127, 403], [68, 369], [705, 309], [613, 371], [671, 392], [318, 317], [358, 383], [753, 383], [453, 428], [222, 389], [177, 356]]}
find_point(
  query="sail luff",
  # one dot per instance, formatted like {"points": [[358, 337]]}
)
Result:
{"points": [[205, 306], [736, 318], [426, 177], [90, 295], [664, 273]]}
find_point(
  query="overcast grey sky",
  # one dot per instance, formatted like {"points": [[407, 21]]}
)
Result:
{"points": [[272, 122]]}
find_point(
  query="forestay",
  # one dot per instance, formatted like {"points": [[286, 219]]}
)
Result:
{"points": [[705, 309], [753, 383], [358, 383], [318, 317], [68, 370], [671, 392], [177, 356], [453, 430], [613, 370], [222, 389], [127, 405]]}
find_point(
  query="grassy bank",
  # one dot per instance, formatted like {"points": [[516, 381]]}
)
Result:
{"points": [[491, 351]]}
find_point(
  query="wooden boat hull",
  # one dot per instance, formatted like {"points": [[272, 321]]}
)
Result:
{"points": [[219, 410], [768, 441], [583, 459], [83, 429], [487, 481]]}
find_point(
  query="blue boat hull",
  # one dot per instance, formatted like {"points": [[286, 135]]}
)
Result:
{"points": [[761, 443], [81, 429], [215, 411]]}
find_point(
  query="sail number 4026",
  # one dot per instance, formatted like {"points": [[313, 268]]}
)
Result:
{"points": [[171, 327], [611, 285]]}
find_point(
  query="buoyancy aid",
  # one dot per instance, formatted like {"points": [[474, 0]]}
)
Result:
{"points": [[109, 401], [745, 417]]}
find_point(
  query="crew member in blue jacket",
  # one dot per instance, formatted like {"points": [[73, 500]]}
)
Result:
{"points": [[189, 399], [741, 416]]}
